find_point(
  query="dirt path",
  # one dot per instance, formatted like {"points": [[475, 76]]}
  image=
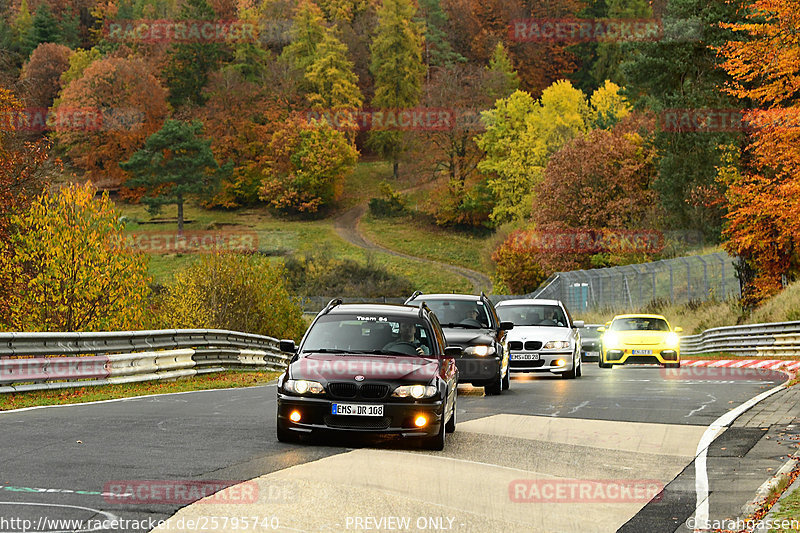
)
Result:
{"points": [[347, 226]]}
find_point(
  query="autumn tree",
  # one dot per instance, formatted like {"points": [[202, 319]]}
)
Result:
{"points": [[309, 161], [175, 164], [501, 68], [78, 61], [330, 77], [398, 70], [41, 75], [521, 134], [130, 104], [763, 221], [237, 292], [77, 273], [608, 105], [307, 32]]}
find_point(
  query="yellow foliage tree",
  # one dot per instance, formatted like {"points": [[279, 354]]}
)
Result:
{"points": [[73, 268]]}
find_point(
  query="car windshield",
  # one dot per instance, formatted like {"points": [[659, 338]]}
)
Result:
{"points": [[533, 315], [368, 334], [639, 324], [590, 332], [468, 314]]}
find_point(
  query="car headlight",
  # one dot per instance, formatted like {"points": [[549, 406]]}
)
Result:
{"points": [[556, 345], [303, 386], [673, 340], [415, 391], [610, 340], [481, 350]]}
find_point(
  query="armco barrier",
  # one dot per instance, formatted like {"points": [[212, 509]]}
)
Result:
{"points": [[39, 361], [757, 340]]}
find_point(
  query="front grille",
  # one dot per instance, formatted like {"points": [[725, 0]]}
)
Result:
{"points": [[514, 345], [343, 390], [526, 364], [357, 422], [644, 359], [372, 391], [533, 345]]}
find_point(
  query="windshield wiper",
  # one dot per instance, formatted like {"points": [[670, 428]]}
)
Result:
{"points": [[326, 350], [465, 326]]}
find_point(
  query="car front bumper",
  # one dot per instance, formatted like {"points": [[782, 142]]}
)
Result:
{"points": [[545, 363], [625, 356], [398, 417]]}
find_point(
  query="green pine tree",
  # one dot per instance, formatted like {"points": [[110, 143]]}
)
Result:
{"points": [[189, 64], [44, 30], [398, 70], [438, 50], [502, 68], [175, 163], [22, 26]]}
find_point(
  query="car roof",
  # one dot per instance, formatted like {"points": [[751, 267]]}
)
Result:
{"points": [[446, 296], [391, 309], [529, 301], [640, 315]]}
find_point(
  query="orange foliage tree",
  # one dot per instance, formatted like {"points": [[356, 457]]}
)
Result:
{"points": [[41, 75], [125, 103], [763, 226]]}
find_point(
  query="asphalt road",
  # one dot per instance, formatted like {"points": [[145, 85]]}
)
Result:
{"points": [[625, 426]]}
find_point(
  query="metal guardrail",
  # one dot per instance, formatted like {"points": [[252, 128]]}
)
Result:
{"points": [[41, 361], [758, 340]]}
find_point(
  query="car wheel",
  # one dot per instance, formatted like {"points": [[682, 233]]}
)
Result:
{"points": [[572, 373], [507, 380], [672, 365], [284, 435], [601, 364], [580, 368], [495, 388], [450, 427], [436, 442]]}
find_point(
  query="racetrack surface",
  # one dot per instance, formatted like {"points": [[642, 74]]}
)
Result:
{"points": [[622, 426]]}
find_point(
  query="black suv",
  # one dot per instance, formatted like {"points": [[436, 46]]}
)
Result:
{"points": [[370, 369], [471, 322]]}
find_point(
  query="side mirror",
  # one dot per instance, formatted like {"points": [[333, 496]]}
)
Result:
{"points": [[452, 351], [505, 326], [678, 329], [288, 346], [577, 324], [601, 329]]}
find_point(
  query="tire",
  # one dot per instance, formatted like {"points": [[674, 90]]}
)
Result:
{"points": [[435, 443], [580, 368], [450, 426], [507, 380], [284, 435], [495, 389], [572, 373], [601, 364], [672, 365]]}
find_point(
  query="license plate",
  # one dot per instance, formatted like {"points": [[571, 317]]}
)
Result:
{"points": [[355, 409], [524, 356], [593, 354], [642, 352]]}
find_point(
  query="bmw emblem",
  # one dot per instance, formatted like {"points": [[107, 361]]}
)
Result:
{"points": [[359, 378]]}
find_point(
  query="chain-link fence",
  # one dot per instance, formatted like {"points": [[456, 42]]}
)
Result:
{"points": [[630, 287]]}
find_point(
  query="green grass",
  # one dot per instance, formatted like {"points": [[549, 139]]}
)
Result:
{"points": [[279, 236], [222, 380], [413, 236], [789, 509]]}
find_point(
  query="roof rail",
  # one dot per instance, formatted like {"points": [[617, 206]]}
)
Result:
{"points": [[423, 307], [416, 293], [333, 303]]}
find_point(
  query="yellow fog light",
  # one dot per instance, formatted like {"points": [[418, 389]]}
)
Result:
{"points": [[560, 362], [295, 416], [420, 421]]}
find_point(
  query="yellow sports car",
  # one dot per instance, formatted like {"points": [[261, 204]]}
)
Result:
{"points": [[642, 339]]}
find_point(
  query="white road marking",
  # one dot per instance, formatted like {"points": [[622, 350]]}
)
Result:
{"points": [[701, 475], [582, 404], [706, 404]]}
